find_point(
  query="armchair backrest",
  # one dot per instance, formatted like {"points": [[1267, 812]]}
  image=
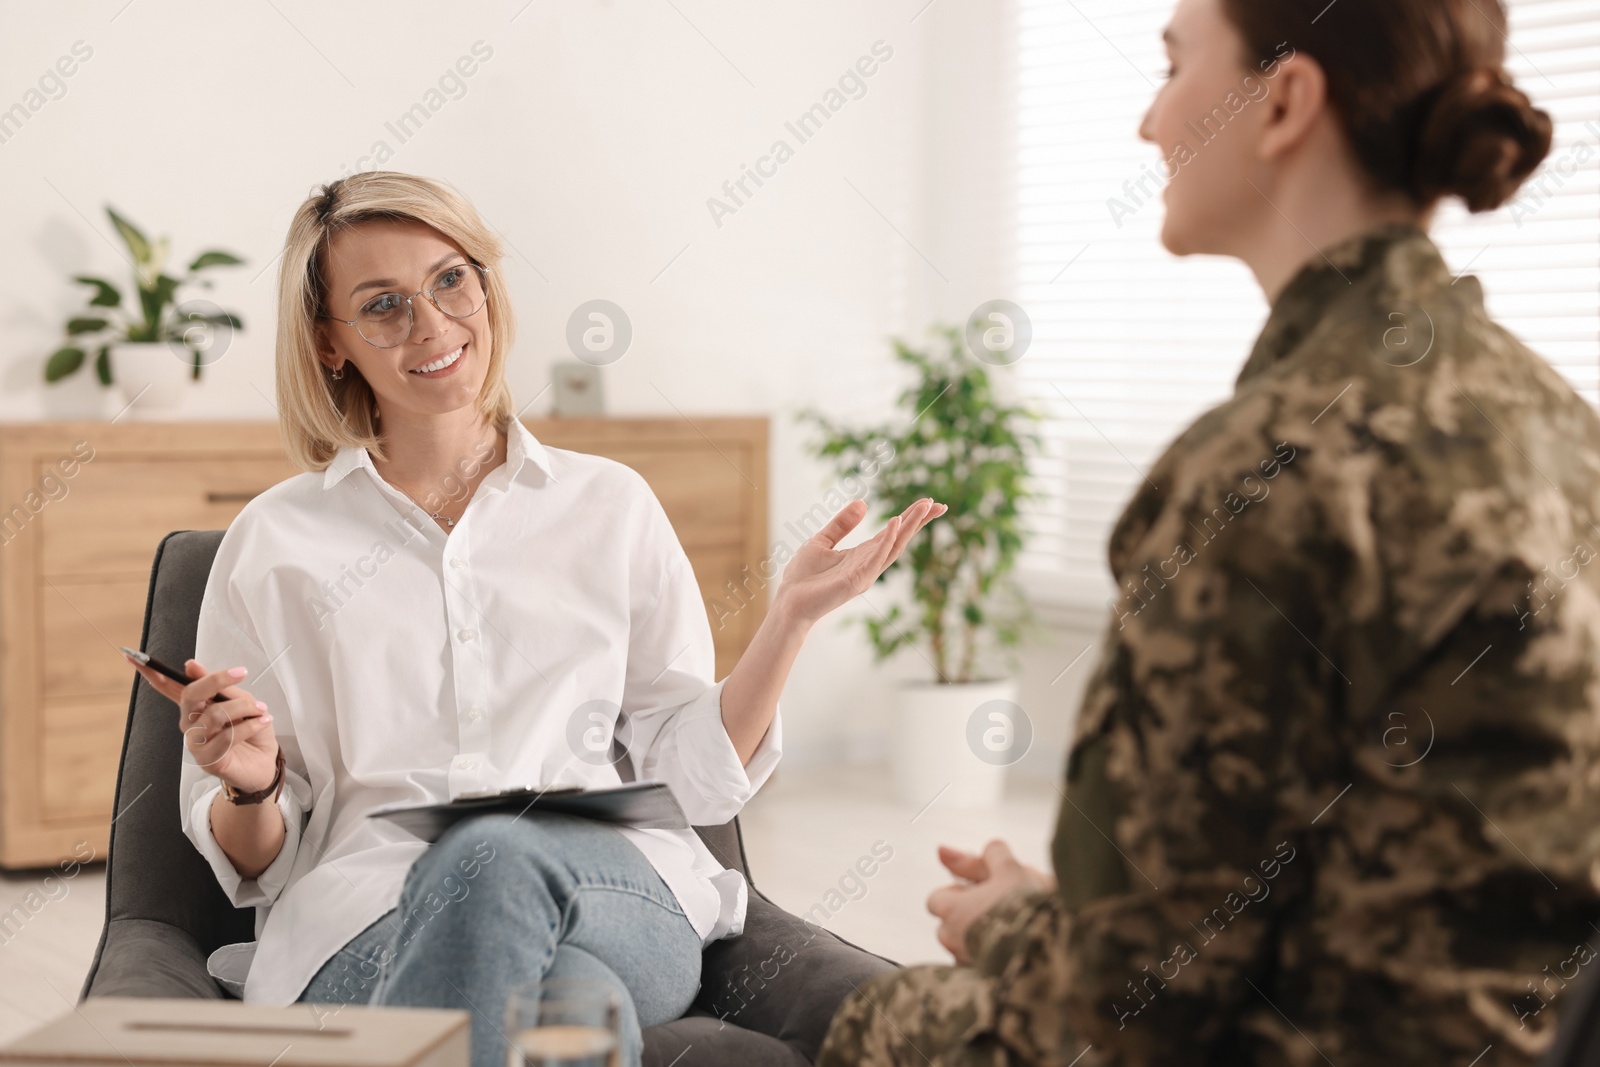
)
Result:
{"points": [[153, 871]]}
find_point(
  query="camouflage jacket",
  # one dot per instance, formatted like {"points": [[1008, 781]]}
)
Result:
{"points": [[1333, 793]]}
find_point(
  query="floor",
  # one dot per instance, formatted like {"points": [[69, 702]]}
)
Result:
{"points": [[49, 926], [806, 835]]}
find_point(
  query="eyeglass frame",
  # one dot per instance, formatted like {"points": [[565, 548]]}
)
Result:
{"points": [[411, 314]]}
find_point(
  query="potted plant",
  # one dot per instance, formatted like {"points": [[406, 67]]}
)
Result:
{"points": [[152, 352], [956, 442]]}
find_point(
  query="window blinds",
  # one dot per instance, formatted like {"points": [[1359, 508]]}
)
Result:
{"points": [[1130, 344]]}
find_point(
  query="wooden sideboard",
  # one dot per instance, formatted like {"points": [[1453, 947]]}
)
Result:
{"points": [[83, 506]]}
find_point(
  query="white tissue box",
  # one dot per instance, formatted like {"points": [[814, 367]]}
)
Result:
{"points": [[116, 1031]]}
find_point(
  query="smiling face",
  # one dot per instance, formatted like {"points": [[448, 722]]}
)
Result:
{"points": [[1207, 120], [367, 264]]}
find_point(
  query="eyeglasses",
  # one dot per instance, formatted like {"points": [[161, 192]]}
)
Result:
{"points": [[385, 321]]}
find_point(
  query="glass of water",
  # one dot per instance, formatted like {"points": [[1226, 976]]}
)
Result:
{"points": [[563, 1023]]}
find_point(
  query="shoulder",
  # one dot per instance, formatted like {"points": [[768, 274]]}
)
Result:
{"points": [[600, 470], [273, 523], [1403, 441], [280, 506], [620, 507], [612, 493], [600, 480], [1413, 395], [1237, 464]]}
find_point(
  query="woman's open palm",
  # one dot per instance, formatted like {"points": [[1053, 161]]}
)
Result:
{"points": [[821, 577]]}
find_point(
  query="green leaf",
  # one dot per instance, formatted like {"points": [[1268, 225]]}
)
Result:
{"points": [[62, 362], [85, 325], [137, 243], [166, 288], [102, 364], [215, 258], [106, 295], [154, 302]]}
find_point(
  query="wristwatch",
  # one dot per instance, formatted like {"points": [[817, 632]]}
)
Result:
{"points": [[236, 797]]}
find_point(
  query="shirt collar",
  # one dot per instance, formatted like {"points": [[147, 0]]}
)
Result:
{"points": [[1393, 265], [522, 449]]}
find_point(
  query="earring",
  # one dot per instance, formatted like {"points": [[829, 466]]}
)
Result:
{"points": [[338, 373]]}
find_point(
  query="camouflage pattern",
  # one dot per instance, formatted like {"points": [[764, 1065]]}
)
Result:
{"points": [[1332, 791]]}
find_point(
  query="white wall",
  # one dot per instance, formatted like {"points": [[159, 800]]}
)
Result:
{"points": [[592, 136]]}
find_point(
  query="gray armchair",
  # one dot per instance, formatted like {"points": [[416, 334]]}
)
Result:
{"points": [[765, 999]]}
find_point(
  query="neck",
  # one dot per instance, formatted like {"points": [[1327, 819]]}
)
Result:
{"points": [[1313, 211], [432, 455]]}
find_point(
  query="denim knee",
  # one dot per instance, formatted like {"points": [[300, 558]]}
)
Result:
{"points": [[456, 865], [351, 975], [441, 876]]}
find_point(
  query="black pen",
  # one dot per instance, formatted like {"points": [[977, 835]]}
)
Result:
{"points": [[147, 660]]}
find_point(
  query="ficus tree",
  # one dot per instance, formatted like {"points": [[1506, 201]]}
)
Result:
{"points": [[953, 440]]}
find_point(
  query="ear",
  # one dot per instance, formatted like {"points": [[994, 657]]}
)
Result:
{"points": [[323, 343], [1298, 103]]}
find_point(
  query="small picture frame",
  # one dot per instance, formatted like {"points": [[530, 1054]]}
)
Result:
{"points": [[578, 390]]}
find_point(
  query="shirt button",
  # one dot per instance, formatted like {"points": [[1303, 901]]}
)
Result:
{"points": [[457, 562], [466, 764], [468, 634], [473, 714]]}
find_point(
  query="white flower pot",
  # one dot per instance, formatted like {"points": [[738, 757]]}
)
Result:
{"points": [[159, 375], [80, 396], [954, 742]]}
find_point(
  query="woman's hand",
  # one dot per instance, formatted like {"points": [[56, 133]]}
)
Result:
{"points": [[820, 577], [231, 737], [985, 880]]}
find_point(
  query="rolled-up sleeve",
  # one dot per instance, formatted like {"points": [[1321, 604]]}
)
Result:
{"points": [[671, 710], [263, 889], [695, 756], [226, 638]]}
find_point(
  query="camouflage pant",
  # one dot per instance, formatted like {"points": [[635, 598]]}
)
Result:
{"points": [[925, 1016]]}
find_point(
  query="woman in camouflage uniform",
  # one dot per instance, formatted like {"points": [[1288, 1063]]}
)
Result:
{"points": [[1332, 794]]}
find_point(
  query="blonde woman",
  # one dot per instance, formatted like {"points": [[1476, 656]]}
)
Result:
{"points": [[442, 604]]}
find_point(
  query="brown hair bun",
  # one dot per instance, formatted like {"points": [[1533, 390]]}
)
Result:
{"points": [[1479, 139], [1419, 86]]}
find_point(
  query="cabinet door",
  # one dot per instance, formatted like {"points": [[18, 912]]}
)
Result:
{"points": [[75, 574], [119, 507]]}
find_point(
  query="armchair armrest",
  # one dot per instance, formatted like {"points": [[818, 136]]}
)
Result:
{"points": [[783, 976], [147, 958]]}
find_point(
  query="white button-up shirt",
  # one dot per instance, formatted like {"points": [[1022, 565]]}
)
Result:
{"points": [[554, 636]]}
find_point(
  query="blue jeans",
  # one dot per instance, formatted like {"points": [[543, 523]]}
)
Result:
{"points": [[499, 900]]}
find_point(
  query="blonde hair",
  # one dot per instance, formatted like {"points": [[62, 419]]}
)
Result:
{"points": [[317, 414]]}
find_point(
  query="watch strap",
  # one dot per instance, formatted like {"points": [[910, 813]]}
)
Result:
{"points": [[271, 790]]}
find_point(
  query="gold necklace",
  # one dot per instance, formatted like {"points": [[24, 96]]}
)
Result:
{"points": [[449, 523]]}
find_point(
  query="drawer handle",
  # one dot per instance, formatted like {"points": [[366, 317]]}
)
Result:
{"points": [[236, 496]]}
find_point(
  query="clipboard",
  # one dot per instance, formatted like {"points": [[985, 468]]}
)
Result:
{"points": [[643, 805]]}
